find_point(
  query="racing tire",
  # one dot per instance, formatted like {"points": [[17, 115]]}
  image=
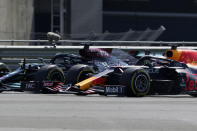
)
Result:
{"points": [[78, 73], [136, 82], [4, 69], [50, 73]]}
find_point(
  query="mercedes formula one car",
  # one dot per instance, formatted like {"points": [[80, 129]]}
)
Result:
{"points": [[90, 61]]}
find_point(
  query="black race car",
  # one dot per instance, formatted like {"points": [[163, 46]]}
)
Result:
{"points": [[90, 61]]}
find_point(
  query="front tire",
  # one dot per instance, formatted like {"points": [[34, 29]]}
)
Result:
{"points": [[78, 73], [136, 82], [50, 73]]}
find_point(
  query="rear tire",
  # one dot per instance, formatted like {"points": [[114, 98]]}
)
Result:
{"points": [[136, 82], [4, 69], [78, 73]]}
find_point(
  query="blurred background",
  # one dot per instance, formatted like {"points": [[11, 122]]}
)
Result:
{"points": [[165, 20]]}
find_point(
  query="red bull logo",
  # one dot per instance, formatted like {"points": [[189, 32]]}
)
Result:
{"points": [[191, 82]]}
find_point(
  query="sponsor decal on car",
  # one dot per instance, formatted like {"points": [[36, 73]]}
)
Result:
{"points": [[191, 82], [114, 90]]}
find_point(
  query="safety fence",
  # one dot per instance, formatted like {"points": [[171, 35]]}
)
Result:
{"points": [[130, 35]]}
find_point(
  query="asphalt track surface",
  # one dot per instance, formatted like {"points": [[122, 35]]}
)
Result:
{"points": [[58, 112]]}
